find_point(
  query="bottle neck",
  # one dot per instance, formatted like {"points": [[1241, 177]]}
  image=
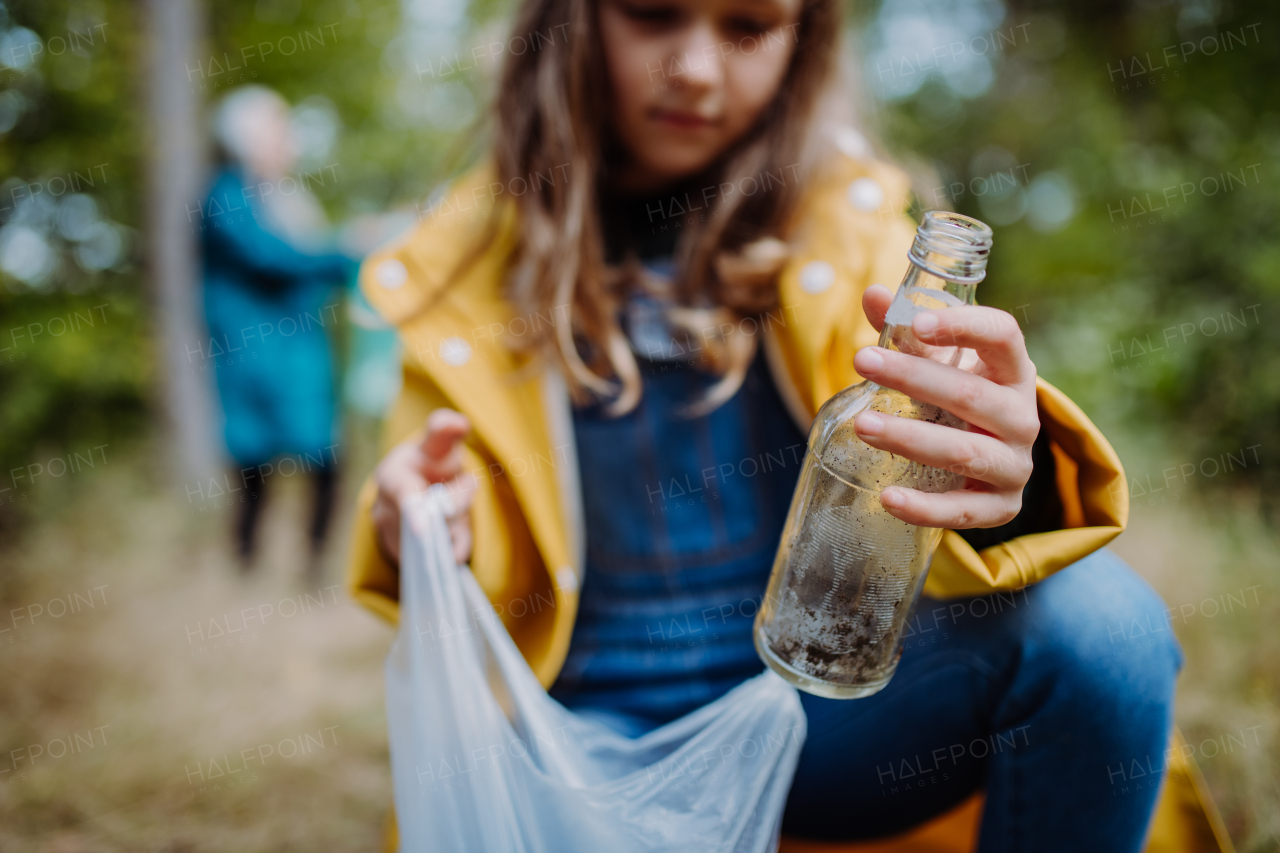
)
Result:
{"points": [[922, 291]]}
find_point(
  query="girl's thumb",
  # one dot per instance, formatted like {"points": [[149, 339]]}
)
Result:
{"points": [[445, 428]]}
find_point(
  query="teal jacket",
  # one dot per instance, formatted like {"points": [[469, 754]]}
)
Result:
{"points": [[269, 308]]}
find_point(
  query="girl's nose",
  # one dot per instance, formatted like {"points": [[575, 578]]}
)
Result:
{"points": [[703, 66]]}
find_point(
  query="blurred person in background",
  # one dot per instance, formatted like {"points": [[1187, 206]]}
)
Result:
{"points": [[268, 282]]}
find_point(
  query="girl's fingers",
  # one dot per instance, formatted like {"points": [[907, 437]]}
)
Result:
{"points": [[976, 456], [959, 509], [875, 304], [441, 445], [445, 428], [994, 334], [1009, 413], [393, 491], [412, 466], [398, 476]]}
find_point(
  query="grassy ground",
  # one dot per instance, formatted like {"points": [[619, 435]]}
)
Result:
{"points": [[298, 689], [162, 708]]}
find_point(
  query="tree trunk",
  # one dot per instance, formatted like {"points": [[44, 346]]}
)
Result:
{"points": [[175, 173]]}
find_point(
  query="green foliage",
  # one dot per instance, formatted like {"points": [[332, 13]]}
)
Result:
{"points": [[74, 352]]}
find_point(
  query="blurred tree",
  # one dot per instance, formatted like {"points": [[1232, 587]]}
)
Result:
{"points": [[175, 173]]}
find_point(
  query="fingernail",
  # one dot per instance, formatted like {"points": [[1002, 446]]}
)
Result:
{"points": [[869, 423], [868, 359], [926, 324], [892, 498]]}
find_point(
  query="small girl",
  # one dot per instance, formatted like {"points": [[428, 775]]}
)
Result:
{"points": [[617, 331]]}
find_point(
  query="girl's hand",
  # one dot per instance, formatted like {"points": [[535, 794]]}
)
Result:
{"points": [[411, 466], [994, 391]]}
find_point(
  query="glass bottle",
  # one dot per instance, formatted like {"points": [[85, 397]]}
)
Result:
{"points": [[847, 574]]}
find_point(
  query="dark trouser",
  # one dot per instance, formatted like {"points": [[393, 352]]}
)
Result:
{"points": [[324, 482]]}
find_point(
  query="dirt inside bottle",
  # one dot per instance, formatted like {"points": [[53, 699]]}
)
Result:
{"points": [[851, 572]]}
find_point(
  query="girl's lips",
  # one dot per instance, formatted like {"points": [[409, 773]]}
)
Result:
{"points": [[683, 120]]}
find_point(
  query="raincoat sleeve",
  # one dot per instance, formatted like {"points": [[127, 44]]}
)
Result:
{"points": [[233, 230]]}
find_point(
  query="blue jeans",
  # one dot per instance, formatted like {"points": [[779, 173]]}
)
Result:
{"points": [[1045, 698]]}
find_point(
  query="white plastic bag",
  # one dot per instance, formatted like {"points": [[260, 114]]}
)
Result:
{"points": [[484, 761]]}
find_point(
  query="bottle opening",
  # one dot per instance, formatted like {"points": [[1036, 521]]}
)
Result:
{"points": [[952, 246]]}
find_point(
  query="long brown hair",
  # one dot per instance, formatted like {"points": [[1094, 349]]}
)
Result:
{"points": [[552, 118]]}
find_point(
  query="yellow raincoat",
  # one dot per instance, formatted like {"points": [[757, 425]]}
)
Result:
{"points": [[527, 516]]}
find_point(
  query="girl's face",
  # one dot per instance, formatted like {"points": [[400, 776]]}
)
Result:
{"points": [[689, 77]]}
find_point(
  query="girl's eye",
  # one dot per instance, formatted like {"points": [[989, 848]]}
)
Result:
{"points": [[651, 14], [750, 26]]}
